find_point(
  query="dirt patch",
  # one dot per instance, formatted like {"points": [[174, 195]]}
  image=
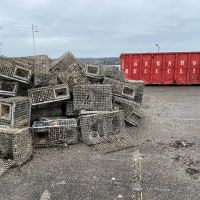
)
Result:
{"points": [[193, 171], [181, 144], [185, 160], [191, 166]]}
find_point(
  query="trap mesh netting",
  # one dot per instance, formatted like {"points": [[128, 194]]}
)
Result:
{"points": [[105, 131], [59, 102], [115, 143], [5, 165]]}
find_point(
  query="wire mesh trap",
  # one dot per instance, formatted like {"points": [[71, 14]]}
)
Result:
{"points": [[44, 79], [46, 110], [93, 70], [60, 90], [15, 111], [41, 64], [61, 64], [139, 89], [123, 89], [115, 143], [5, 165], [8, 88], [95, 128], [15, 147], [96, 73], [132, 112], [112, 72], [70, 112], [93, 73], [105, 130], [73, 76], [38, 63], [92, 97], [13, 71], [55, 132], [49, 94]]}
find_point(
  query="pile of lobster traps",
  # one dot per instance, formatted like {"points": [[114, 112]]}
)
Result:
{"points": [[59, 102]]}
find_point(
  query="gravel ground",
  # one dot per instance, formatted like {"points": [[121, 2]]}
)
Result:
{"points": [[164, 165]]}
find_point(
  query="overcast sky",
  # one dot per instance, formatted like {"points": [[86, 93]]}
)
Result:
{"points": [[99, 28]]}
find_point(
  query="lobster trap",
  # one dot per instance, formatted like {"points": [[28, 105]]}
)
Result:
{"points": [[115, 143], [123, 89], [66, 60], [97, 72], [47, 110], [73, 76], [38, 63], [15, 147], [49, 94], [70, 112], [113, 73], [56, 132], [132, 112], [139, 89], [41, 64], [13, 71], [92, 97], [15, 111], [105, 130], [93, 70], [8, 88], [95, 128], [44, 79]]}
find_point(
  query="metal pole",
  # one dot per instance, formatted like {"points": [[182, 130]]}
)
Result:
{"points": [[33, 39], [158, 46]]}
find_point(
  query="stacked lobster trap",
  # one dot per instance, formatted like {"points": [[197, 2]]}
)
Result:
{"points": [[59, 102], [54, 132]]}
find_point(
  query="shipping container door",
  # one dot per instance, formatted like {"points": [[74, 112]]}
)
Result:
{"points": [[157, 68], [122, 62], [169, 67], [135, 69], [145, 68], [127, 64], [194, 69], [182, 66]]}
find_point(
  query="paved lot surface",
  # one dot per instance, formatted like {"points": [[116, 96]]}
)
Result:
{"points": [[164, 165]]}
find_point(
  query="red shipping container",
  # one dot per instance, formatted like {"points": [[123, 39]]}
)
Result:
{"points": [[162, 68]]}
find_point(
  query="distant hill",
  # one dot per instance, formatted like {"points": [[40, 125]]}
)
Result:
{"points": [[105, 61]]}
